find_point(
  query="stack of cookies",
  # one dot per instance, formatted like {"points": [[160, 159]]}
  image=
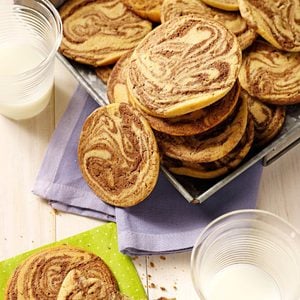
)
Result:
{"points": [[61, 273], [207, 102]]}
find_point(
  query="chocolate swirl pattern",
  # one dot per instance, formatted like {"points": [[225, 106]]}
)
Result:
{"points": [[268, 119], [116, 85], [208, 147], [271, 75], [276, 21], [172, 9], [183, 65], [145, 8], [223, 4], [216, 168], [41, 275], [98, 32], [118, 155]]}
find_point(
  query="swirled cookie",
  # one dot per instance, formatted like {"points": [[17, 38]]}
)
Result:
{"points": [[198, 121], [118, 155], [276, 21], [271, 75], [116, 85], [206, 147], [145, 8], [223, 4], [183, 65], [103, 73], [268, 119], [98, 32], [77, 286], [216, 168], [41, 275], [232, 20]]}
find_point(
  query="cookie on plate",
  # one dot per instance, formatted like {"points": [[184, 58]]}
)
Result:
{"points": [[41, 275], [232, 20], [268, 119], [99, 32], [118, 155], [147, 9], [270, 74], [116, 85], [216, 168], [183, 65], [276, 21], [207, 147], [103, 73], [223, 4]]}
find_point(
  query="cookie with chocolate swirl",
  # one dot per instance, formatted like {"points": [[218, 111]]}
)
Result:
{"points": [[118, 155], [103, 73], [278, 22], [232, 20], [210, 146], [183, 65], [145, 8], [223, 4], [271, 75], [99, 32], [216, 168], [268, 119], [41, 275]]}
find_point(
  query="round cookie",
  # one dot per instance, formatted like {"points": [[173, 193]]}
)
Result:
{"points": [[271, 75], [268, 119], [145, 8], [118, 155], [232, 20], [210, 146], [216, 168], [103, 73], [223, 4], [183, 65], [116, 85], [198, 121], [40, 276], [276, 21], [99, 32]]}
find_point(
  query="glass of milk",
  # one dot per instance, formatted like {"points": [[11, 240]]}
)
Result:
{"points": [[247, 255], [30, 34]]}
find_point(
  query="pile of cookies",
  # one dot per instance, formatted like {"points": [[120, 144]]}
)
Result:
{"points": [[212, 80], [61, 273]]}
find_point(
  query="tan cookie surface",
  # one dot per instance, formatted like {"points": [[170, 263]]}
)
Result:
{"points": [[99, 32], [276, 21], [271, 75], [118, 155], [183, 65], [232, 20], [103, 73], [223, 4]]}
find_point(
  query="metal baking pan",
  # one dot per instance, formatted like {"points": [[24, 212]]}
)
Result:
{"points": [[197, 190]]}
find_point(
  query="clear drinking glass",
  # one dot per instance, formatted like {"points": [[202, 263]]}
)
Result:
{"points": [[30, 34], [243, 242]]}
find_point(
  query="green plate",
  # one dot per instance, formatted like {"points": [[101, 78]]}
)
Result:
{"points": [[102, 241]]}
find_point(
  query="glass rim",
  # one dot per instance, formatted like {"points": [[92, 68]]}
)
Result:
{"points": [[31, 72], [223, 217]]}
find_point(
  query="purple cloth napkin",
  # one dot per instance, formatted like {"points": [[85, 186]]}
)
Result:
{"points": [[164, 223]]}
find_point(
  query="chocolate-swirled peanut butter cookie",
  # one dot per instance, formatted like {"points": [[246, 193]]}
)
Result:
{"points": [[232, 20], [276, 21], [118, 155], [268, 119], [41, 275], [103, 73], [99, 32], [147, 9], [216, 168], [210, 146], [183, 65], [271, 75]]}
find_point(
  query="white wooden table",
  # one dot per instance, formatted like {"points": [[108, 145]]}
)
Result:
{"points": [[26, 222]]}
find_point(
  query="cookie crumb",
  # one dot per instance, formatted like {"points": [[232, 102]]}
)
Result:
{"points": [[152, 264], [163, 257], [163, 288], [152, 285]]}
